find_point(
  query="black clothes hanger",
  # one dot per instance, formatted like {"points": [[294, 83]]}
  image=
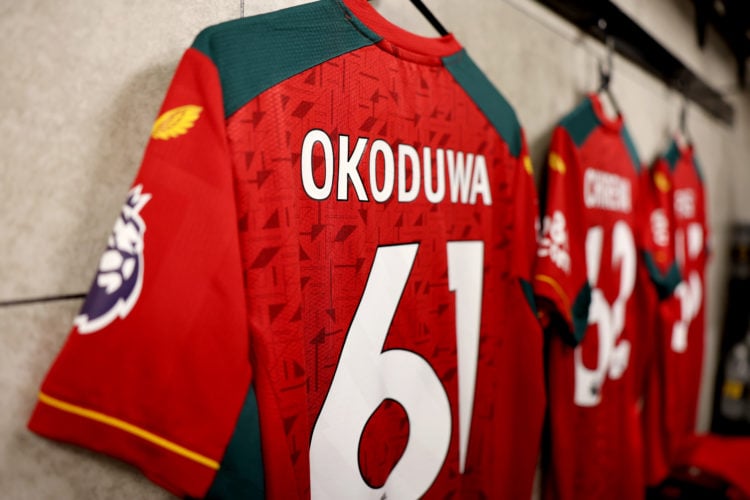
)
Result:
{"points": [[683, 121], [605, 74], [422, 8]]}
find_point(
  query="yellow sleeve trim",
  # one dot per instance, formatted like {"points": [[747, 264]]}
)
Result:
{"points": [[556, 287], [129, 428]]}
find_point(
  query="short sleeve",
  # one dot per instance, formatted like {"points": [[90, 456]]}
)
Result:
{"points": [[525, 221], [560, 275], [656, 227], [155, 370]]}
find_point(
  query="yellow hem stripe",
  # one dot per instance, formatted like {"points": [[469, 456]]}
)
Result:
{"points": [[129, 428], [556, 286]]}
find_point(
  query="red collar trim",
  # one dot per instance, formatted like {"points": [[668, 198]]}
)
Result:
{"points": [[394, 35], [611, 124]]}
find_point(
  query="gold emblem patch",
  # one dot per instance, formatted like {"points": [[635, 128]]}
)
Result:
{"points": [[662, 182], [527, 165], [176, 122], [556, 163]]}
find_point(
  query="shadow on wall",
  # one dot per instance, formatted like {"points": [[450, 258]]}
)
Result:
{"points": [[539, 146], [124, 134], [30, 466]]}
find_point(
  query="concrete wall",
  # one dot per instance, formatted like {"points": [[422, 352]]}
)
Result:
{"points": [[82, 82]]}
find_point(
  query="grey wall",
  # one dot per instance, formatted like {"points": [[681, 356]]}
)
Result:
{"points": [[82, 83]]}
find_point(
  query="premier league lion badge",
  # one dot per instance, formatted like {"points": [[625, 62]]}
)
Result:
{"points": [[119, 278]]}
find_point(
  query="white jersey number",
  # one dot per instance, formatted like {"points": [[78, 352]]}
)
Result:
{"points": [[690, 290], [613, 354], [366, 375]]}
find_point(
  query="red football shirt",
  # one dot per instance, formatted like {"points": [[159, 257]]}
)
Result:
{"points": [[319, 284], [586, 278], [678, 341], [656, 200], [680, 357], [688, 327]]}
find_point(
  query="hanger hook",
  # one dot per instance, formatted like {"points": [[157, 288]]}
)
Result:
{"points": [[605, 65], [683, 119], [430, 17], [683, 114], [610, 43]]}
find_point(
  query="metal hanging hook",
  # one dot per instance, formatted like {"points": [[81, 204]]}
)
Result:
{"points": [[430, 17], [684, 132], [606, 65]]}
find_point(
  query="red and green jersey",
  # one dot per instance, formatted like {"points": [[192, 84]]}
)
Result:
{"points": [[679, 336], [686, 333], [587, 277], [319, 284], [656, 200]]}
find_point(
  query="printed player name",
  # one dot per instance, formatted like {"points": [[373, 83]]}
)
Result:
{"points": [[467, 178], [606, 191]]}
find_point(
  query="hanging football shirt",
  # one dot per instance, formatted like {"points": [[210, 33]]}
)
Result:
{"points": [[683, 334], [679, 338], [586, 279], [686, 333], [658, 238], [319, 285]]}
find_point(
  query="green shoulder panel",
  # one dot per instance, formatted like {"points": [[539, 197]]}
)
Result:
{"points": [[580, 313], [580, 122], [672, 155], [255, 53], [528, 292], [487, 98], [665, 283], [698, 169], [240, 474], [632, 152]]}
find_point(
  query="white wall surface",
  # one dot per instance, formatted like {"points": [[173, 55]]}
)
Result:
{"points": [[83, 81]]}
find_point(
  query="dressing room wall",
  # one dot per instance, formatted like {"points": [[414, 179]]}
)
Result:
{"points": [[83, 81]]}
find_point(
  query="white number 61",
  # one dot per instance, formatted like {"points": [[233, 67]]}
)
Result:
{"points": [[366, 376]]}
